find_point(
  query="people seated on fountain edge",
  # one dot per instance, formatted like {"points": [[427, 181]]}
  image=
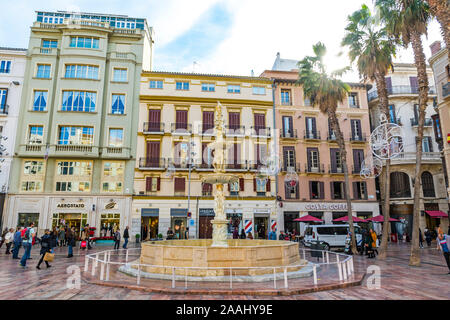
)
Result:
{"points": [[282, 236], [250, 236]]}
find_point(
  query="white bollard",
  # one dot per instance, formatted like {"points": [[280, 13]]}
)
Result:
{"points": [[102, 271], [304, 254], [139, 275], [285, 278], [344, 271], [86, 263], [323, 256], [353, 266], [126, 257], [315, 274], [274, 279], [328, 257], [173, 277], [107, 266], [93, 269], [340, 271], [96, 260], [348, 268], [337, 258]]}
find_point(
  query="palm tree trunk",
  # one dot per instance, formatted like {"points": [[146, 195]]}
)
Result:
{"points": [[343, 154], [384, 107], [419, 59]]}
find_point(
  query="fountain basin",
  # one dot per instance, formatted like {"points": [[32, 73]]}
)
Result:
{"points": [[199, 255]]}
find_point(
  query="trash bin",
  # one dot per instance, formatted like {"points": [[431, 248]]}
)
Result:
{"points": [[315, 246]]}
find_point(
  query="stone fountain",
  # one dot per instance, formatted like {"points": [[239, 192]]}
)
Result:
{"points": [[212, 259]]}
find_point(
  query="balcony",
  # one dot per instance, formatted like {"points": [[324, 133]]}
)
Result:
{"points": [[311, 135], [114, 150], [153, 128], [289, 134], [411, 157], [73, 148], [358, 138], [286, 102], [4, 110], [152, 163], [415, 122], [318, 169], [291, 166], [206, 193], [31, 147], [446, 90], [206, 130], [335, 170], [260, 131], [331, 137], [234, 130], [204, 167], [399, 90], [178, 163], [181, 129], [255, 165], [236, 166]]}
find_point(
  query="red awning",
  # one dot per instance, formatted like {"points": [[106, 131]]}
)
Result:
{"points": [[345, 218], [308, 218], [437, 214], [380, 218]]}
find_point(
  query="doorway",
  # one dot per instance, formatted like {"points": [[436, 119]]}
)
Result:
{"points": [[261, 227], [75, 220], [179, 226], [205, 227], [149, 227]]}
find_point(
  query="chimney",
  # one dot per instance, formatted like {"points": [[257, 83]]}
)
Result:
{"points": [[435, 47], [278, 55]]}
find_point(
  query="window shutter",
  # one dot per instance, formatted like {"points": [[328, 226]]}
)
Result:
{"points": [[352, 123], [310, 190], [389, 85], [286, 190], [365, 190], [254, 184], [355, 190], [414, 84], [332, 189], [241, 184], [268, 185], [322, 191], [314, 126], [158, 184], [308, 156], [333, 159], [148, 183], [296, 191], [430, 144]]}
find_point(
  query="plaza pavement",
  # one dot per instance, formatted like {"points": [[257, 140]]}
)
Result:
{"points": [[398, 280]]}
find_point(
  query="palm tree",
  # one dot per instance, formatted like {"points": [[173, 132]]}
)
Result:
{"points": [[441, 10], [372, 50], [407, 20], [326, 91]]}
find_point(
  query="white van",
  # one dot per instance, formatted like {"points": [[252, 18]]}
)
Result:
{"points": [[333, 235]]}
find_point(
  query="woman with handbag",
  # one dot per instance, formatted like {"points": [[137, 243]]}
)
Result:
{"points": [[46, 247]]}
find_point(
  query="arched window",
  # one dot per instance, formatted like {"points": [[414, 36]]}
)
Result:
{"points": [[400, 186], [427, 184]]}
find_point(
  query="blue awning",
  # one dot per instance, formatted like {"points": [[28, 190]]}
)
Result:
{"points": [[150, 212]]}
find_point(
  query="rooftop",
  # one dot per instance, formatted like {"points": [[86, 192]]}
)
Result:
{"points": [[13, 49], [209, 75], [284, 64]]}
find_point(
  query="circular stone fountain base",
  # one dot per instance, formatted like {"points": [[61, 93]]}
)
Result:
{"points": [[198, 260]]}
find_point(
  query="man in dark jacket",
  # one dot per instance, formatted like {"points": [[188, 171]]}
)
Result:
{"points": [[117, 239], [17, 241], [46, 246], [126, 235]]}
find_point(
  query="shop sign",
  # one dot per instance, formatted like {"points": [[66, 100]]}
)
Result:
{"points": [[111, 205], [206, 212], [264, 210], [69, 205], [326, 206]]}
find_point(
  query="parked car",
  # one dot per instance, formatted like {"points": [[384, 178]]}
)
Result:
{"points": [[332, 235]]}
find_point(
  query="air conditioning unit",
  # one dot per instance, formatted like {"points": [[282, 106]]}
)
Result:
{"points": [[141, 192]]}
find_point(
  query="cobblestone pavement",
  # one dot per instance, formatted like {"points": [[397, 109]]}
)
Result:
{"points": [[398, 280]]}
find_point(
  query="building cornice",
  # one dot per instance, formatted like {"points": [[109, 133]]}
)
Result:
{"points": [[212, 101], [218, 77]]}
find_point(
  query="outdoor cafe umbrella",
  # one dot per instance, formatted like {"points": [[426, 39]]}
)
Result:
{"points": [[380, 218], [345, 218], [308, 218]]}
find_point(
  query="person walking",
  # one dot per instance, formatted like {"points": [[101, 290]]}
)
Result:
{"points": [[169, 234], [420, 239], [87, 235], [282, 235], [61, 236], [70, 236], [117, 239], [27, 243], [17, 240], [126, 236], [250, 236], [46, 246], [53, 238], [373, 236], [242, 236], [235, 233], [9, 240], [442, 245], [428, 237], [272, 235], [2, 240]]}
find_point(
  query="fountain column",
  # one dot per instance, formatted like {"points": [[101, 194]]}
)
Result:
{"points": [[220, 222]]}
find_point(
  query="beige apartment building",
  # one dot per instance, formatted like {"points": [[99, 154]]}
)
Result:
{"points": [[176, 120], [403, 91], [308, 147], [76, 147]]}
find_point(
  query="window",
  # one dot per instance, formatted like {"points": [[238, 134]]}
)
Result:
{"points": [[289, 158], [337, 190], [113, 169], [84, 42], [286, 97], [400, 186], [5, 66], [336, 161], [360, 190], [392, 113], [261, 186], [3, 95], [316, 190], [76, 71], [313, 159], [291, 192], [356, 130], [158, 84], [115, 137], [118, 104], [259, 90], [288, 127], [427, 184], [35, 186], [36, 135], [74, 168], [76, 135], [33, 167], [427, 144], [40, 100], [49, 43], [120, 75], [306, 100], [152, 184], [72, 186], [234, 88], [210, 87], [43, 71], [112, 187], [179, 185], [82, 101], [182, 85], [113, 176], [353, 100], [234, 188]]}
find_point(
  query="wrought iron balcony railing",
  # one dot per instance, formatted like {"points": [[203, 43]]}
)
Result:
{"points": [[311, 135], [152, 163], [358, 138], [153, 127], [289, 134], [314, 169], [260, 131], [234, 130], [181, 128], [395, 90], [415, 122]]}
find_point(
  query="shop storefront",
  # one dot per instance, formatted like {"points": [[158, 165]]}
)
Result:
{"points": [[404, 213], [25, 218], [149, 223], [234, 217], [70, 220], [206, 215], [178, 224], [289, 223], [261, 221]]}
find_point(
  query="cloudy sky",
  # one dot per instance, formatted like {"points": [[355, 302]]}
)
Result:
{"points": [[218, 36]]}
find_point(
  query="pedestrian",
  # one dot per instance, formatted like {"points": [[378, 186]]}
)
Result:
{"points": [[9, 240], [61, 236], [242, 236], [368, 244], [169, 234], [87, 235], [235, 233], [27, 243], [2, 240], [17, 240], [186, 233], [126, 236], [442, 245], [70, 241], [117, 239], [53, 238], [373, 237], [250, 236], [420, 239], [282, 235], [272, 235], [363, 242], [46, 246]]}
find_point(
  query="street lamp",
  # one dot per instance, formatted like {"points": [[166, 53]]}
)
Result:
{"points": [[190, 156]]}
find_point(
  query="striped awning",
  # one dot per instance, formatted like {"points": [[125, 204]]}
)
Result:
{"points": [[437, 214]]}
